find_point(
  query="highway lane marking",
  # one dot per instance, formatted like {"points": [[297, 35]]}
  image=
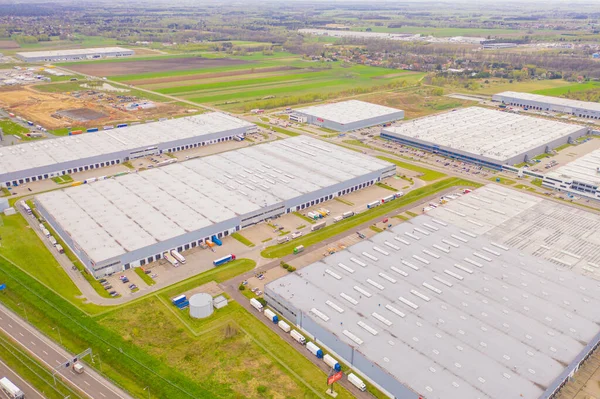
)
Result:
{"points": [[21, 334], [32, 343], [10, 325], [102, 394], [58, 361], [45, 353], [86, 383]]}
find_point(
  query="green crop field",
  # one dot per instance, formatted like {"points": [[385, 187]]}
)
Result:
{"points": [[559, 91]]}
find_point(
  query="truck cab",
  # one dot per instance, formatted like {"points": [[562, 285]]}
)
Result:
{"points": [[78, 368]]}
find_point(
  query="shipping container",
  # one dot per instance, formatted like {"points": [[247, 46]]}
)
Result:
{"points": [[318, 226], [178, 256], [357, 382], [314, 349], [284, 326], [331, 362], [347, 214], [178, 299], [216, 240], [373, 204], [256, 304], [298, 337], [92, 130], [122, 125], [388, 198], [223, 260], [269, 314]]}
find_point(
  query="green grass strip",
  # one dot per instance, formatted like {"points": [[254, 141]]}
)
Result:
{"points": [[301, 216], [242, 239], [278, 129], [427, 174], [281, 250], [147, 279]]}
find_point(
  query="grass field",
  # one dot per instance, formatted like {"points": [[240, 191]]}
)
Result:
{"points": [[572, 88], [528, 86], [281, 250], [64, 179], [13, 128], [427, 174], [242, 239]]}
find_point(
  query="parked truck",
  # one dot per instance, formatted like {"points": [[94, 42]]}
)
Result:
{"points": [[388, 198], [284, 326], [348, 214], [298, 249], [357, 382], [178, 256], [46, 233], [337, 219], [373, 204], [256, 305], [216, 240], [223, 260], [314, 349], [331, 362], [269, 314], [399, 194], [170, 259], [298, 337], [317, 226], [10, 389], [52, 241], [60, 249], [281, 240]]}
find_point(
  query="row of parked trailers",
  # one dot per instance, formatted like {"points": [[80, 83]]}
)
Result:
{"points": [[385, 200], [311, 346]]}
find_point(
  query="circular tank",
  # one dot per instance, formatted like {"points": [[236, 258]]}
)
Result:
{"points": [[201, 306]]}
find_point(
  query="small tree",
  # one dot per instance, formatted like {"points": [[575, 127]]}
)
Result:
{"points": [[242, 287]]}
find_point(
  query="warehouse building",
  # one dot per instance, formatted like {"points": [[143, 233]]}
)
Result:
{"points": [[129, 221], [437, 309], [74, 54], [41, 160], [347, 115], [579, 177], [582, 109], [484, 137]]}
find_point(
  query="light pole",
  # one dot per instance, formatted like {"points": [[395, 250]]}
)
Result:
{"points": [[59, 336], [147, 389], [99, 361], [24, 310]]}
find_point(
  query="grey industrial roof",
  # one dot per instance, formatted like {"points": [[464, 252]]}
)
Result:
{"points": [[49, 152], [71, 52], [448, 312], [110, 217], [564, 102], [484, 132], [350, 111], [566, 236], [584, 169]]}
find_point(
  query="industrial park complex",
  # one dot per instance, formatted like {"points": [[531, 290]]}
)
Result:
{"points": [[483, 297], [42, 160], [74, 54], [581, 109], [485, 137], [345, 116], [128, 221]]}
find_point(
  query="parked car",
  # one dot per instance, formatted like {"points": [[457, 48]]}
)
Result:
{"points": [[132, 287], [102, 280], [107, 287], [125, 280], [113, 293]]}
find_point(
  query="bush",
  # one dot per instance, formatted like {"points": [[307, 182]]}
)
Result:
{"points": [[262, 301], [286, 266], [291, 269], [242, 287]]}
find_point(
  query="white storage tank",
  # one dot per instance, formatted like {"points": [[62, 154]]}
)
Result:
{"points": [[201, 306]]}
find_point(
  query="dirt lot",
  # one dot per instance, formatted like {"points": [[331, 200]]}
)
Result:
{"points": [[147, 66], [170, 79], [8, 44], [39, 108]]}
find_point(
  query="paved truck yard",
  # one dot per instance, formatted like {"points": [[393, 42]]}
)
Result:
{"points": [[581, 109], [480, 313], [486, 137], [579, 177]]}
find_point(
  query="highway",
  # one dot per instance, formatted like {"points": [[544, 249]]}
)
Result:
{"points": [[29, 391], [90, 383]]}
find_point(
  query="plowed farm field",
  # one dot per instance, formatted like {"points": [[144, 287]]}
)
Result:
{"points": [[149, 66]]}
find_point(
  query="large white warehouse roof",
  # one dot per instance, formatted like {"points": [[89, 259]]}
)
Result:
{"points": [[110, 217], [565, 102], [49, 152], [73, 52], [482, 132], [466, 301], [346, 112], [585, 169]]}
